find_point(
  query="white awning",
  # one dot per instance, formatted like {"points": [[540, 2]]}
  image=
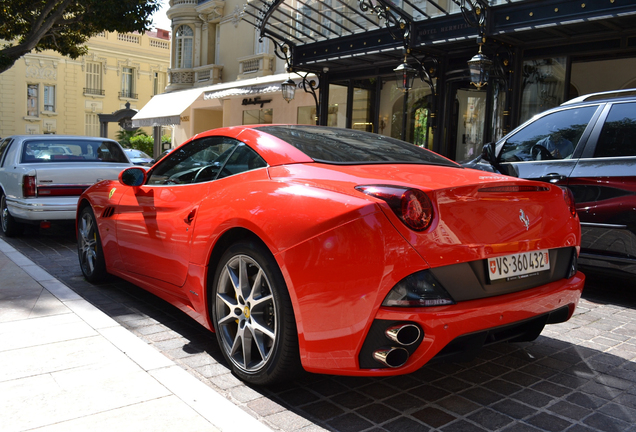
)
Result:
{"points": [[241, 91], [165, 109]]}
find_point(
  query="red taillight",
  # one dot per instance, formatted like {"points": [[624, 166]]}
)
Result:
{"points": [[412, 206], [568, 196], [28, 186]]}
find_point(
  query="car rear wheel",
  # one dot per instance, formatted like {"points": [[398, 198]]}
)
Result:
{"points": [[253, 317], [89, 247], [10, 227]]}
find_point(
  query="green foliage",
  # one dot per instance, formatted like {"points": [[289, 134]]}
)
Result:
{"points": [[145, 143], [124, 136], [66, 25]]}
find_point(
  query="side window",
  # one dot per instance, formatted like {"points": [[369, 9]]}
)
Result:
{"points": [[243, 159], [197, 162], [4, 145], [618, 136], [553, 136]]}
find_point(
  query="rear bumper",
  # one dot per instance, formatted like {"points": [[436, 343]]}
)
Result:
{"points": [[41, 209], [455, 326]]}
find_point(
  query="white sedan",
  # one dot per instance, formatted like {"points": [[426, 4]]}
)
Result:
{"points": [[42, 176]]}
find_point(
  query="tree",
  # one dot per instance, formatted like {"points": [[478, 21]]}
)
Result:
{"points": [[65, 25]]}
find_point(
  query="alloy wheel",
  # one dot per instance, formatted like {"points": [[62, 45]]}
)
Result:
{"points": [[246, 314]]}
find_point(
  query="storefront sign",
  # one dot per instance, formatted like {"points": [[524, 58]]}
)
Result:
{"points": [[256, 101]]}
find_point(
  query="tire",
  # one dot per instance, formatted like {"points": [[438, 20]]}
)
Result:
{"points": [[254, 321], [89, 247], [10, 227]]}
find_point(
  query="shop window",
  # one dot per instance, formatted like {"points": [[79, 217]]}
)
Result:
{"points": [[32, 100], [338, 99], [258, 116], [184, 37], [543, 85]]}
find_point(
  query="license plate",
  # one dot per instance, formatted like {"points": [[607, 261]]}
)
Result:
{"points": [[518, 266]]}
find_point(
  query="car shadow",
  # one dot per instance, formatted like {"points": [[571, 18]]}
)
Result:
{"points": [[578, 375]]}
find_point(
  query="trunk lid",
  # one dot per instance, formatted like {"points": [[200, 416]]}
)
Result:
{"points": [[477, 214]]}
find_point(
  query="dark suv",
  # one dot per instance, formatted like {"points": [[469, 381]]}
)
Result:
{"points": [[589, 145]]}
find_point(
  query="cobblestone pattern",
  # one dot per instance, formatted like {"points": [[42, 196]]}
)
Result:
{"points": [[578, 376]]}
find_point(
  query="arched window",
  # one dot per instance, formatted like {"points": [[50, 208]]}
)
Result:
{"points": [[184, 37]]}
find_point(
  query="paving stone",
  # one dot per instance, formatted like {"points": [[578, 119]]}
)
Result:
{"points": [[433, 417], [404, 424], [548, 422], [514, 409], [349, 423], [570, 410], [323, 410], [377, 413], [490, 419], [606, 423]]}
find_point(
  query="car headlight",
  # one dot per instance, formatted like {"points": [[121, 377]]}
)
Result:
{"points": [[417, 290]]}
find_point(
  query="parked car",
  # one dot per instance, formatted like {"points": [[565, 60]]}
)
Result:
{"points": [[342, 251], [42, 176], [138, 157], [589, 145]]}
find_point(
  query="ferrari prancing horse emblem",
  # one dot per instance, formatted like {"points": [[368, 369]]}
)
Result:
{"points": [[524, 219]]}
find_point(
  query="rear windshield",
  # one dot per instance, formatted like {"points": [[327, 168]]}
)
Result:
{"points": [[348, 146], [61, 150]]}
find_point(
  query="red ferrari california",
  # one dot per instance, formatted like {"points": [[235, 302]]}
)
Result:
{"points": [[336, 251]]}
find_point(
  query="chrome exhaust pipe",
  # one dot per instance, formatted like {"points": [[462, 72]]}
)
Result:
{"points": [[404, 334], [391, 357]]}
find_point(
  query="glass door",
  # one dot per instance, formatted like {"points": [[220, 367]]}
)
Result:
{"points": [[470, 120]]}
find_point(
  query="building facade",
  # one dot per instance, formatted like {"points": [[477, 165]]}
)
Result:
{"points": [[230, 57], [47, 93]]}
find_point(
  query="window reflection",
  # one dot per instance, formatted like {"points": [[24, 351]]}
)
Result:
{"points": [[543, 85]]}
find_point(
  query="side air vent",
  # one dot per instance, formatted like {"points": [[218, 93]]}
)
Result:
{"points": [[108, 212]]}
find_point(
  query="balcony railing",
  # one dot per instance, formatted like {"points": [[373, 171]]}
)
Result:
{"points": [[127, 95], [195, 77], [256, 65], [92, 91]]}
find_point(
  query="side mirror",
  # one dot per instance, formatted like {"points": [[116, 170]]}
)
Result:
{"points": [[488, 153], [134, 176]]}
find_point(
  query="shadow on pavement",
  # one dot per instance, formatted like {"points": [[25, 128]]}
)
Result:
{"points": [[577, 376]]}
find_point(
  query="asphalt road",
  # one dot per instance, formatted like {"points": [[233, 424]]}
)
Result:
{"points": [[577, 376]]}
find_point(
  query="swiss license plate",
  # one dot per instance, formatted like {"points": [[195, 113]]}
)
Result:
{"points": [[518, 266]]}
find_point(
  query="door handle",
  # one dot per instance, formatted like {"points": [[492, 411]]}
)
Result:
{"points": [[190, 217], [553, 177]]}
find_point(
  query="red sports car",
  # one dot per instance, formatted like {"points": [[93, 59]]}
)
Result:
{"points": [[334, 250]]}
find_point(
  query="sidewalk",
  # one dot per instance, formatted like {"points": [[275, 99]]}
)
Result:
{"points": [[67, 366]]}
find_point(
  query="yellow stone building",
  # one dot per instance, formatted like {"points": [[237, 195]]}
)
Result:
{"points": [[45, 92]]}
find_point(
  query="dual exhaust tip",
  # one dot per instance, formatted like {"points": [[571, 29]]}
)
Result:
{"points": [[402, 334]]}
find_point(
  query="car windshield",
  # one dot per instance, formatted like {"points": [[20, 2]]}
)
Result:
{"points": [[351, 147], [61, 150]]}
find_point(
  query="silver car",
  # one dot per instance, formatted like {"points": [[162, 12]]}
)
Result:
{"points": [[42, 176]]}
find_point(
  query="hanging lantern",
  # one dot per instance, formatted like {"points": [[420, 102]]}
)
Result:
{"points": [[479, 67], [404, 76], [288, 89]]}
